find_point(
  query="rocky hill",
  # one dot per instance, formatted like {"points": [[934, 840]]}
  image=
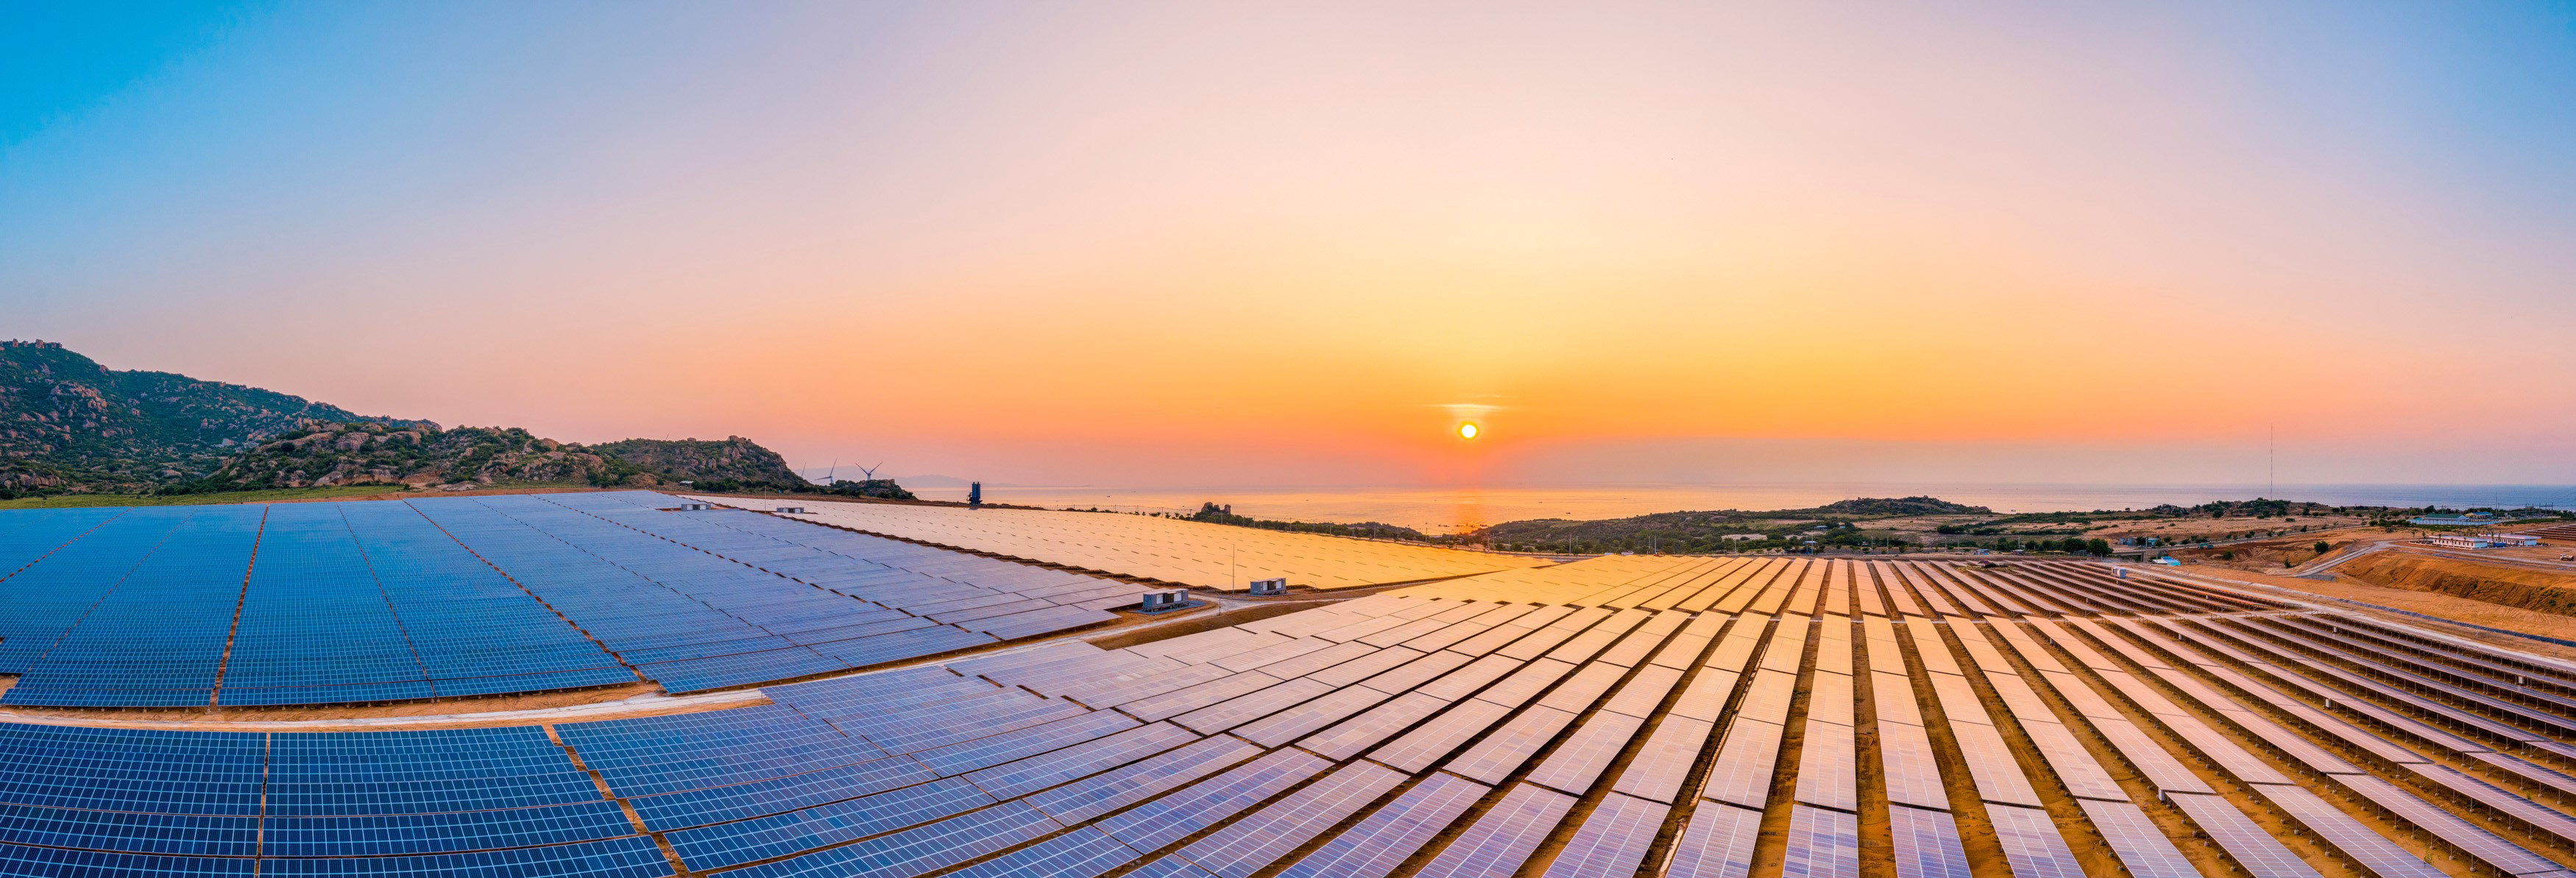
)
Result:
{"points": [[70, 424], [735, 464], [327, 454]]}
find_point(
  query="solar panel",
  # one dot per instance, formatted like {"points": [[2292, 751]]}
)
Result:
{"points": [[2346, 835], [732, 844], [1822, 844], [1826, 763], [418, 772], [141, 770], [1100, 794], [1644, 691], [1172, 704], [390, 834], [668, 811], [1254, 842], [688, 751], [1170, 867], [1467, 680], [1379, 842], [1990, 762], [1250, 706], [1578, 762], [1526, 683], [1612, 840], [1829, 698], [1742, 773], [1660, 767], [920, 849], [1913, 771], [175, 834], [1428, 743], [2261, 855], [1173, 817], [1926, 844], [17, 860], [1350, 737], [633, 856], [2031, 844], [2140, 845], [1767, 697], [1502, 753], [1081, 853], [1718, 844], [1893, 696], [1706, 696], [1501, 840], [2074, 765], [1415, 673]]}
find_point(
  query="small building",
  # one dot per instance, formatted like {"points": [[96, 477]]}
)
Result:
{"points": [[1738, 538], [2481, 541]]}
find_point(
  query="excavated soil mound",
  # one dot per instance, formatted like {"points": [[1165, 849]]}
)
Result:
{"points": [[2510, 586]]}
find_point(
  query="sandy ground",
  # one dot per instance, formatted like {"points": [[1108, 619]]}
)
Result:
{"points": [[514, 710]]}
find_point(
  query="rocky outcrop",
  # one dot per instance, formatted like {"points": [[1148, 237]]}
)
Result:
{"points": [[327, 454], [70, 424], [734, 464]]}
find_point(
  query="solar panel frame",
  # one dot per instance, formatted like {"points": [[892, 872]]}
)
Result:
{"points": [[1926, 843], [1718, 843], [2253, 848], [1501, 840]]}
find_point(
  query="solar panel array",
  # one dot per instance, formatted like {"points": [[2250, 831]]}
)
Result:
{"points": [[1165, 549], [1749, 718], [335, 603]]}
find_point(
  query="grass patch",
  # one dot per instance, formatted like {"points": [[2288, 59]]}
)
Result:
{"points": [[59, 501]]}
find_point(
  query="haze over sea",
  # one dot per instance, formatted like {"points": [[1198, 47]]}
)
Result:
{"points": [[1443, 509]]}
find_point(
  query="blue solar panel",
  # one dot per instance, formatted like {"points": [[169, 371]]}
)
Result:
{"points": [[1170, 818], [419, 772], [634, 856], [177, 834], [144, 770], [390, 834], [701, 807], [156, 638], [1386, 837], [1082, 853], [664, 754], [20, 861], [730, 844], [919, 849]]}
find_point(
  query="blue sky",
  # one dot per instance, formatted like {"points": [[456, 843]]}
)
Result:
{"points": [[1194, 244]]}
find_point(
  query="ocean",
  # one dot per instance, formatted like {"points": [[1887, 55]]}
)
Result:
{"points": [[1452, 509]]}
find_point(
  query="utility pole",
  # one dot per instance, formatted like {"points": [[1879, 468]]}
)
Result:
{"points": [[2271, 460]]}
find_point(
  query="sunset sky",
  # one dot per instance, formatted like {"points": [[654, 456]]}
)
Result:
{"points": [[1226, 243]]}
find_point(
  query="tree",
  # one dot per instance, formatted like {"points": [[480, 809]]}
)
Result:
{"points": [[2100, 548], [2323, 547]]}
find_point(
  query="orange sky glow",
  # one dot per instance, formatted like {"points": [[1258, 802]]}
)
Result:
{"points": [[1184, 244]]}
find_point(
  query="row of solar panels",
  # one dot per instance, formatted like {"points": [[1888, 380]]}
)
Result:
{"points": [[1946, 587], [1351, 740], [329, 603], [1165, 549]]}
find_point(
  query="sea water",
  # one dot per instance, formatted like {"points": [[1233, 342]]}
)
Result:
{"points": [[1452, 508]]}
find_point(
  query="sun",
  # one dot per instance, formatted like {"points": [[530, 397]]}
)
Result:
{"points": [[1468, 430]]}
